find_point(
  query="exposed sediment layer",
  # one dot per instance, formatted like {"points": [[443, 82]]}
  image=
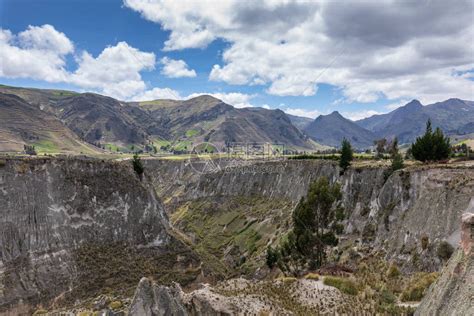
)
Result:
{"points": [[71, 227]]}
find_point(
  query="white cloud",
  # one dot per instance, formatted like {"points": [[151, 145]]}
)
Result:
{"points": [[369, 49], [157, 93], [358, 115], [302, 112], [173, 68], [38, 53], [45, 38], [236, 99], [115, 72]]}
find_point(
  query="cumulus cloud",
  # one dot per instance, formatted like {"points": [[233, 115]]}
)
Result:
{"points": [[157, 93], [173, 68], [358, 115], [38, 52], [302, 112], [369, 49], [115, 72]]}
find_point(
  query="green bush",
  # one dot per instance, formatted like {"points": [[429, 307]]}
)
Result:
{"points": [[115, 305], [393, 271], [272, 257], [343, 284], [416, 289], [312, 276], [387, 297]]}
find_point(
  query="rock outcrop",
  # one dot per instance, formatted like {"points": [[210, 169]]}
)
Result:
{"points": [[453, 292], [152, 300], [70, 228], [242, 297]]}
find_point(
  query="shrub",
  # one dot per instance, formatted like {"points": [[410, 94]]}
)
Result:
{"points": [[416, 289], [312, 276], [272, 257], [445, 250], [393, 271], [387, 297], [115, 305], [344, 285]]}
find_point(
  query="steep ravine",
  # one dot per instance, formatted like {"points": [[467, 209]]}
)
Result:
{"points": [[393, 215], [73, 228]]}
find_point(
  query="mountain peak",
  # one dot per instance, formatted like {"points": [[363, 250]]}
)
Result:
{"points": [[413, 104], [334, 114], [205, 98]]}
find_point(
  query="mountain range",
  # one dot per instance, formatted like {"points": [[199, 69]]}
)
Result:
{"points": [[124, 126], [453, 116], [68, 121], [331, 129]]}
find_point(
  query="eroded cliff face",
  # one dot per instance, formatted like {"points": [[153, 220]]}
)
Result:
{"points": [[72, 228], [452, 293], [394, 215]]}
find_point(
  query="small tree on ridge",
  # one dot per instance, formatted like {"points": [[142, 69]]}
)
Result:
{"points": [[346, 155]]}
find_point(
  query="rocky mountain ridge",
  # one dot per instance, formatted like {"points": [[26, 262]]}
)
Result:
{"points": [[176, 125], [408, 121]]}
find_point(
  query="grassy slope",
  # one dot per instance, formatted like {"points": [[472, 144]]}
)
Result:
{"points": [[232, 232]]}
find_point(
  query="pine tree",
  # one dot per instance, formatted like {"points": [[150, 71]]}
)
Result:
{"points": [[314, 228], [346, 155], [137, 165], [431, 146]]}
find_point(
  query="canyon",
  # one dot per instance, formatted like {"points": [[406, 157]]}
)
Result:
{"points": [[75, 229]]}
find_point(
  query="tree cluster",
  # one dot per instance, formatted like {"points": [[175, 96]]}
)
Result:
{"points": [[29, 150], [315, 225], [432, 146]]}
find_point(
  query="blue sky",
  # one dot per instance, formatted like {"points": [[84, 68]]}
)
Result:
{"points": [[278, 56]]}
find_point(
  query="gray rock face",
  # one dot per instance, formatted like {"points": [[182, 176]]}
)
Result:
{"points": [[452, 293], [53, 211], [153, 300], [392, 215]]}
